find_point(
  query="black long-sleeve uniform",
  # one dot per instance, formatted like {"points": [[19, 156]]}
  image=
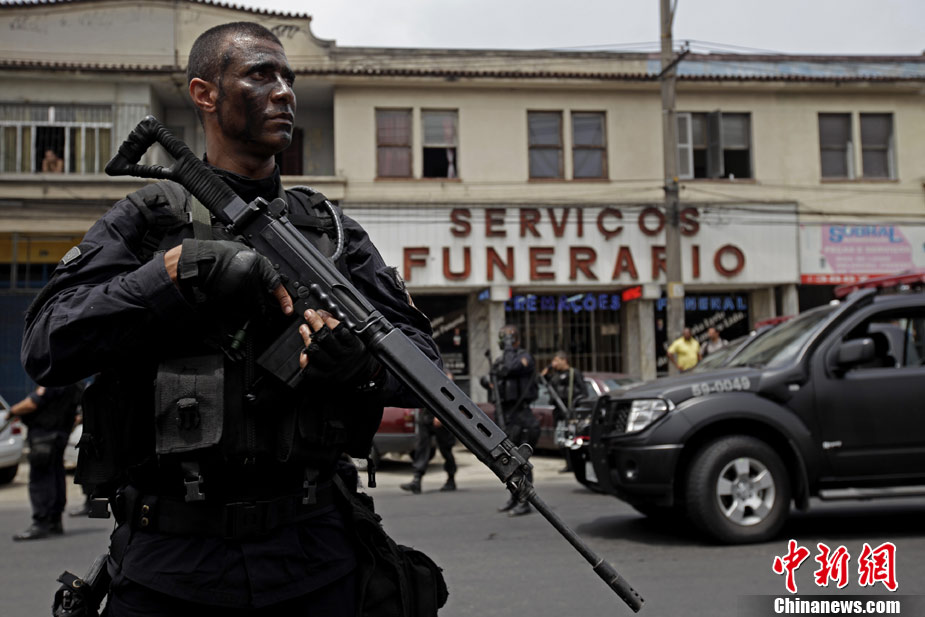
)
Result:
{"points": [[109, 311]]}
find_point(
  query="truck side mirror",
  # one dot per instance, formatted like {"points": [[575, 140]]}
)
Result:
{"points": [[855, 351]]}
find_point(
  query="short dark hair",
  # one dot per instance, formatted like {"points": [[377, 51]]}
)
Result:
{"points": [[207, 59], [560, 354]]}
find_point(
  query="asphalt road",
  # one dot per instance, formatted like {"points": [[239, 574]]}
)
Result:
{"points": [[509, 567]]}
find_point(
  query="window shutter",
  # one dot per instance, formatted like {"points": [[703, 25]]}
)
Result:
{"points": [[685, 147], [715, 145]]}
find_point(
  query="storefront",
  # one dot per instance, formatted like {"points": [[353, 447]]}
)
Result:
{"points": [[581, 278]]}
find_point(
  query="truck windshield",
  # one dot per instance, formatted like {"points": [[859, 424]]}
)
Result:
{"points": [[783, 343]]}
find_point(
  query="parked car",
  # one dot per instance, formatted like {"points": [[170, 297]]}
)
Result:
{"points": [[598, 383], [70, 450], [11, 444], [827, 404], [397, 433]]}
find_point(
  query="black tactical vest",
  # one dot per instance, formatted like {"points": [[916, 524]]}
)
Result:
{"points": [[180, 427]]}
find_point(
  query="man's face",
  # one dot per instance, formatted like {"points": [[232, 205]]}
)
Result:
{"points": [[255, 104], [713, 334], [686, 333]]}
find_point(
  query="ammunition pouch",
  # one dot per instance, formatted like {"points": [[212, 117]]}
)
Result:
{"points": [[113, 419], [189, 404]]}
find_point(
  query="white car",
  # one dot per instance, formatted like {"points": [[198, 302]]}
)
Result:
{"points": [[11, 444], [70, 451]]}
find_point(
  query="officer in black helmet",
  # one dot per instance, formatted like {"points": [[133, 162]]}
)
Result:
{"points": [[220, 476], [515, 373]]}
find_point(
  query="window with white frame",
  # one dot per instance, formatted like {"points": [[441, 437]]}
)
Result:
{"points": [[393, 143], [58, 138], [838, 150], [589, 145], [439, 141], [714, 145]]}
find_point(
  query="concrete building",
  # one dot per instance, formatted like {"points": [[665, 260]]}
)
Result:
{"points": [[507, 186]]}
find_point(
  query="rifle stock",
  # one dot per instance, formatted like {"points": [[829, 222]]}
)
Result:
{"points": [[313, 281]]}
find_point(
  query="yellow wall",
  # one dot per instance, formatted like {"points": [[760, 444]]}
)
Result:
{"points": [[35, 249]]}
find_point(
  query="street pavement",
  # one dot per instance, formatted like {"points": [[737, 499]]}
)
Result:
{"points": [[498, 566]]}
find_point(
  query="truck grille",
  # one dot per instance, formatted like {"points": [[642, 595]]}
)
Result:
{"points": [[616, 413]]}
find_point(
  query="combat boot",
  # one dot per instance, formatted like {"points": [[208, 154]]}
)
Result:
{"points": [[450, 485], [413, 487], [520, 509], [35, 531], [511, 502]]}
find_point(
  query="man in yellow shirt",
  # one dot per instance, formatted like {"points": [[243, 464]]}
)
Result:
{"points": [[684, 351]]}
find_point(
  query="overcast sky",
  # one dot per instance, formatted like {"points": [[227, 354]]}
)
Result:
{"points": [[790, 26]]}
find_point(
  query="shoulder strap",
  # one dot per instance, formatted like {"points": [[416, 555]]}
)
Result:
{"points": [[201, 219]]}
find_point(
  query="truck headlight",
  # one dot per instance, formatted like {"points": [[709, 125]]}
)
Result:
{"points": [[644, 412]]}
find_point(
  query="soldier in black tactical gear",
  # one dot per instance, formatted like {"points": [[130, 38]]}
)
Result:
{"points": [[49, 415], [221, 476], [515, 373], [429, 431], [569, 384]]}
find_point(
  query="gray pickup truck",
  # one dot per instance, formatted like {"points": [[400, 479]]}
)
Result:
{"points": [[829, 404]]}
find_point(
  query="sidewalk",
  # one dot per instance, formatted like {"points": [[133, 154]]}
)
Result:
{"points": [[470, 471]]}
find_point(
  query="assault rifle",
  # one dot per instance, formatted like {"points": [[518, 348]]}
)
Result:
{"points": [[312, 280], [557, 401]]}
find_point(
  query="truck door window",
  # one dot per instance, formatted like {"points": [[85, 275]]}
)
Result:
{"points": [[898, 336]]}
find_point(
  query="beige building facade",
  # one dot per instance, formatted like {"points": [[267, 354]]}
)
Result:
{"points": [[507, 186]]}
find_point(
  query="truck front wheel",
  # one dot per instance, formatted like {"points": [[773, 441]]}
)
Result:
{"points": [[737, 490]]}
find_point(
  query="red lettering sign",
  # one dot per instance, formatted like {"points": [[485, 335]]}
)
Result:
{"points": [[448, 273], [461, 227], [493, 260], [414, 257], [541, 257], [581, 258]]}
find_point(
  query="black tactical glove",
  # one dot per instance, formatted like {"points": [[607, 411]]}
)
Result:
{"points": [[499, 368], [225, 271], [337, 356]]}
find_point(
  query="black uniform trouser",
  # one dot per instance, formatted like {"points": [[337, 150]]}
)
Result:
{"points": [[47, 481], [129, 599], [521, 426], [423, 446]]}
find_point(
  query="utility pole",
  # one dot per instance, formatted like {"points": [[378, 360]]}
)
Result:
{"points": [[674, 289]]}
